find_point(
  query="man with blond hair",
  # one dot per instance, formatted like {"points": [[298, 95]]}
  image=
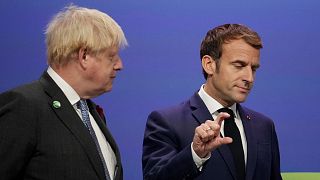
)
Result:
{"points": [[50, 129]]}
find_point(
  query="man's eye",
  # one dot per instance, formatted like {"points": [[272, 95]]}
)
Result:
{"points": [[111, 58], [237, 65]]}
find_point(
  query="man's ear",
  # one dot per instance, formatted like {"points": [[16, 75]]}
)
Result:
{"points": [[82, 53], [208, 64], [82, 56]]}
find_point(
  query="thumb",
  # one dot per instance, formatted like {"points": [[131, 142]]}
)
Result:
{"points": [[225, 140]]}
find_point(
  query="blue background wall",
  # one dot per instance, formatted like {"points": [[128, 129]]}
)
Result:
{"points": [[162, 65]]}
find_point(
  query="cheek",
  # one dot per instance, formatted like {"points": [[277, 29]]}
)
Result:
{"points": [[102, 72], [226, 78], [95, 74]]}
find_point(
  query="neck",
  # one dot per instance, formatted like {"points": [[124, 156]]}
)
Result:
{"points": [[211, 91], [72, 76]]}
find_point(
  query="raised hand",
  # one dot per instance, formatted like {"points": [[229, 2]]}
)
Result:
{"points": [[207, 136]]}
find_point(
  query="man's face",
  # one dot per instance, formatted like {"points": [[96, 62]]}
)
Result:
{"points": [[102, 70], [232, 81]]}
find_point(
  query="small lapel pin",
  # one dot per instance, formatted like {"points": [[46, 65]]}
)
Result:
{"points": [[248, 117], [56, 104]]}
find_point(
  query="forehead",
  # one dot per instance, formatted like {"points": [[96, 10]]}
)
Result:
{"points": [[240, 49], [110, 50]]}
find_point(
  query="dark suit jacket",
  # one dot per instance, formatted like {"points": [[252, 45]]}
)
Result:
{"points": [[167, 145], [38, 141]]}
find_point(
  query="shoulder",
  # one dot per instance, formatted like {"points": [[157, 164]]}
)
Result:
{"points": [[20, 108], [22, 96], [173, 111]]}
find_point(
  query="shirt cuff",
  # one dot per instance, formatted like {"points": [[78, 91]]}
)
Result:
{"points": [[198, 160]]}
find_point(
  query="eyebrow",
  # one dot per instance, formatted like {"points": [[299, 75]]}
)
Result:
{"points": [[256, 66], [242, 62]]}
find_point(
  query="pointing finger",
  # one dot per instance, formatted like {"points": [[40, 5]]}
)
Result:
{"points": [[221, 116]]}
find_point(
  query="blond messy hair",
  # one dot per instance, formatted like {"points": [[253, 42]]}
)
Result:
{"points": [[77, 27]]}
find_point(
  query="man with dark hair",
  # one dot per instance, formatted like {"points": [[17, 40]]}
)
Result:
{"points": [[212, 136]]}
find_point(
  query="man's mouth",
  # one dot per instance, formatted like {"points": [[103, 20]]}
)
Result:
{"points": [[244, 89]]}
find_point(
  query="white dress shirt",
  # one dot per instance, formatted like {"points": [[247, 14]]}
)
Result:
{"points": [[73, 97], [213, 107]]}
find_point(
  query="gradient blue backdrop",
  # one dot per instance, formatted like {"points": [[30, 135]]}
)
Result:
{"points": [[162, 65]]}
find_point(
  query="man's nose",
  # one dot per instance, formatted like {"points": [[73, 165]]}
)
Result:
{"points": [[249, 75], [118, 65]]}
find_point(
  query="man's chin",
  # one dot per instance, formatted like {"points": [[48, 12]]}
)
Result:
{"points": [[103, 91], [106, 90], [241, 99]]}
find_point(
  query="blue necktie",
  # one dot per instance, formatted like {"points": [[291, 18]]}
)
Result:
{"points": [[82, 105]]}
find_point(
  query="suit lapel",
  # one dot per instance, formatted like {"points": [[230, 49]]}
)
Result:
{"points": [[201, 114], [72, 121], [199, 109], [105, 131], [228, 158], [102, 126], [251, 142]]}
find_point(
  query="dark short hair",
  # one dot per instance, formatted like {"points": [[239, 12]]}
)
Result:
{"points": [[212, 44]]}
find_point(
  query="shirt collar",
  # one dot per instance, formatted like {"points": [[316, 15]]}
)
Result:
{"points": [[68, 91], [212, 104]]}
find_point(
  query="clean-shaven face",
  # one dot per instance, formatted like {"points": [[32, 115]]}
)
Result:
{"points": [[235, 77], [102, 70]]}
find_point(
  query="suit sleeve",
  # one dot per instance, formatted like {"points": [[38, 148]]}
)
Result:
{"points": [[17, 135], [163, 158], [276, 173]]}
